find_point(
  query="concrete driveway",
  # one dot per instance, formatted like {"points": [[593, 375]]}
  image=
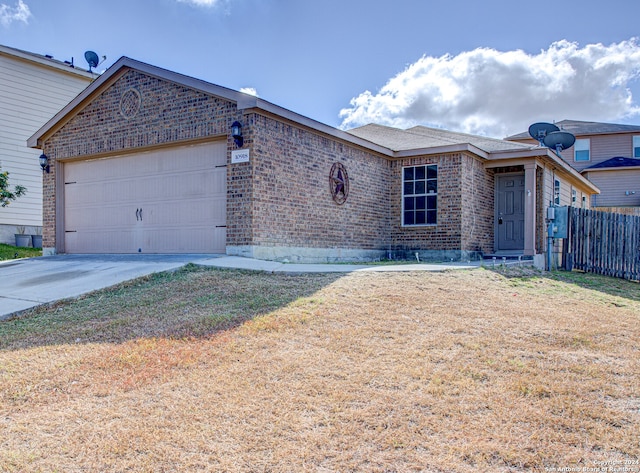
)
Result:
{"points": [[27, 283]]}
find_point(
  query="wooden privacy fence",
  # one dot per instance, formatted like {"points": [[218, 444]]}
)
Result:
{"points": [[604, 243]]}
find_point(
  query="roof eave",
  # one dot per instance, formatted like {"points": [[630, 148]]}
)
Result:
{"points": [[114, 72], [618, 168], [46, 62], [445, 149], [548, 154], [249, 102]]}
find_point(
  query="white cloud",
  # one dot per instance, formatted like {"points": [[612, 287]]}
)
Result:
{"points": [[9, 14], [249, 91], [496, 93], [202, 3]]}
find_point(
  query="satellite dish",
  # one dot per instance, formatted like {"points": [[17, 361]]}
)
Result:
{"points": [[92, 59], [539, 131], [559, 140]]}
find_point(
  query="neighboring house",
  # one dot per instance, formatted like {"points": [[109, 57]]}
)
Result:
{"points": [[608, 155], [143, 161], [33, 88]]}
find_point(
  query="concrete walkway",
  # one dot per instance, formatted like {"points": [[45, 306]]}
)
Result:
{"points": [[27, 283], [237, 262]]}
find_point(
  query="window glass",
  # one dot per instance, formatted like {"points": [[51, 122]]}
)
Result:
{"points": [[581, 150], [408, 174], [419, 195], [556, 192], [408, 188], [636, 146], [409, 203]]}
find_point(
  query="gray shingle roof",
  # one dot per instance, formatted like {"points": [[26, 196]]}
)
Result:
{"points": [[420, 137], [580, 128], [617, 162]]}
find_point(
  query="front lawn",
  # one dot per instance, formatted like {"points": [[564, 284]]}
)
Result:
{"points": [[223, 370]]}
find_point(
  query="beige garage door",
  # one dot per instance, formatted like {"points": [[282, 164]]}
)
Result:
{"points": [[165, 201]]}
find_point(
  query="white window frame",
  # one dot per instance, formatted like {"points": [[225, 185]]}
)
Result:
{"points": [[556, 191], [429, 195], [581, 145], [635, 152]]}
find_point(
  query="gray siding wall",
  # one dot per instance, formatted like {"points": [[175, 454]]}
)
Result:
{"points": [[614, 186]]}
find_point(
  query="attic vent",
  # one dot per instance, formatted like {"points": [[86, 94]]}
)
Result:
{"points": [[130, 103]]}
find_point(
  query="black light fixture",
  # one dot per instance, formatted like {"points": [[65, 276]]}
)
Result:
{"points": [[236, 133], [44, 163]]}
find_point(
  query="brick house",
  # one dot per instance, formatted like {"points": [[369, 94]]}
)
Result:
{"points": [[143, 161]]}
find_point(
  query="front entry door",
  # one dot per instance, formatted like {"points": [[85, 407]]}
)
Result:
{"points": [[510, 212]]}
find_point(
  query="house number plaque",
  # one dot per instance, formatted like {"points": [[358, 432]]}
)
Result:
{"points": [[339, 183]]}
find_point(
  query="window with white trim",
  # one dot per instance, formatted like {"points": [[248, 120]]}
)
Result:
{"points": [[556, 192], [636, 146], [581, 150], [420, 195]]}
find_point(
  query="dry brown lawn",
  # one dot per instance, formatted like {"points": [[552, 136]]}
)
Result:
{"points": [[211, 370]]}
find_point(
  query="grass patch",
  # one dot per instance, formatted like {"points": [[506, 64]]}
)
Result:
{"points": [[220, 370], [189, 303], [610, 290], [8, 252]]}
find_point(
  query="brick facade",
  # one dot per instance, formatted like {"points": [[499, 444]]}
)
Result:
{"points": [[167, 113], [465, 209], [279, 204], [291, 203]]}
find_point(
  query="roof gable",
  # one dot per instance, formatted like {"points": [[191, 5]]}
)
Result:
{"points": [[242, 100], [111, 76]]}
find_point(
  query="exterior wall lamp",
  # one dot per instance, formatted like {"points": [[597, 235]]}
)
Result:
{"points": [[44, 163], [236, 133]]}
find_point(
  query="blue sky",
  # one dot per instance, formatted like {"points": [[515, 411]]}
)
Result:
{"points": [[489, 67]]}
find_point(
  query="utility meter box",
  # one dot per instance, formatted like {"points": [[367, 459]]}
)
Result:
{"points": [[561, 222]]}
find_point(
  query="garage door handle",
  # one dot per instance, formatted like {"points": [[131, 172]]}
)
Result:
{"points": [[139, 215]]}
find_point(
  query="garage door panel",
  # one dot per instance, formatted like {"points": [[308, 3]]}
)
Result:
{"points": [[113, 241], [176, 213], [168, 201], [110, 217]]}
